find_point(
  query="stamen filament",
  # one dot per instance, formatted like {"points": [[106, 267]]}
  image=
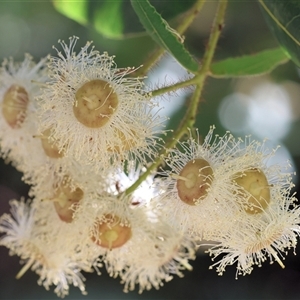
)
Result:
{"points": [[25, 268]]}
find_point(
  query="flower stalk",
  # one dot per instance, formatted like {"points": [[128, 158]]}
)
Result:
{"points": [[183, 25], [199, 80]]}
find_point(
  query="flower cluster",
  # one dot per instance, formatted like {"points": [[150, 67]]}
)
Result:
{"points": [[225, 194], [82, 131]]}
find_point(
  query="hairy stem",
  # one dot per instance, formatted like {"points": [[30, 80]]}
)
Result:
{"points": [[207, 59], [187, 19], [189, 16], [174, 87], [190, 116]]}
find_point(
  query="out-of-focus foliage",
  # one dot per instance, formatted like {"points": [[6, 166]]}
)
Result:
{"points": [[115, 19], [256, 64], [284, 21], [161, 32], [76, 11]]}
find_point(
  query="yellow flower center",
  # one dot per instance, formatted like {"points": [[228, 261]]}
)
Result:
{"points": [[254, 187], [110, 233], [14, 106], [66, 201], [95, 103], [50, 147], [194, 180]]}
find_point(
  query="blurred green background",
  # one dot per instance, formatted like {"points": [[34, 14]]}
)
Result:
{"points": [[265, 106]]}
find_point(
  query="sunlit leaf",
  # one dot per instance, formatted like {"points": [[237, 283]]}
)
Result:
{"points": [[163, 34], [283, 18], [116, 19], [249, 65], [76, 11], [108, 19]]}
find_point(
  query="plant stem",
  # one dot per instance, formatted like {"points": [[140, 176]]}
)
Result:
{"points": [[190, 116], [214, 37], [188, 18], [174, 87], [207, 59], [169, 145], [206, 62]]}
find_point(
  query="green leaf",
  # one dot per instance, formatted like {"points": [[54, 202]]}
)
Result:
{"points": [[115, 19], [249, 65], [283, 18], [76, 11], [163, 34], [108, 19]]}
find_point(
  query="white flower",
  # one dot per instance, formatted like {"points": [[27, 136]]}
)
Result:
{"points": [[46, 169], [253, 238], [211, 184], [17, 227], [196, 193], [133, 243], [47, 174], [45, 247], [160, 253], [18, 122], [266, 225], [96, 114]]}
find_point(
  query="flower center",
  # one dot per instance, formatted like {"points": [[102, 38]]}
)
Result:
{"points": [[14, 106], [50, 147], [110, 233], [96, 102], [194, 180], [66, 202], [254, 187]]}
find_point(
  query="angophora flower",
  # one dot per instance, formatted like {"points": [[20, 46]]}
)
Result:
{"points": [[85, 137], [96, 113], [267, 222], [19, 85], [133, 243], [196, 191], [42, 249], [253, 239]]}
